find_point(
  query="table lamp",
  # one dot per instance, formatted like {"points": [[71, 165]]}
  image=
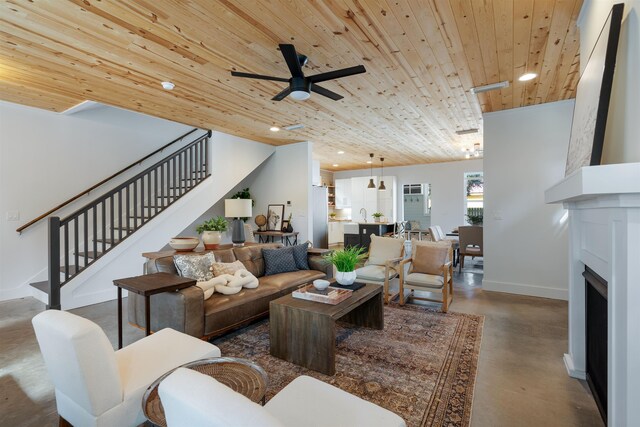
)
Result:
{"points": [[237, 208]]}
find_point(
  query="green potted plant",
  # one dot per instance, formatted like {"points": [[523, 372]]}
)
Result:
{"points": [[376, 216], [211, 231], [332, 215], [475, 216], [345, 261]]}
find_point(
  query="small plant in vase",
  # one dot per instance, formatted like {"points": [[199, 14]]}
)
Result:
{"points": [[211, 231], [345, 261], [377, 216]]}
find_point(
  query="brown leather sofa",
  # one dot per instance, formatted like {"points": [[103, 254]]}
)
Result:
{"points": [[187, 311]]}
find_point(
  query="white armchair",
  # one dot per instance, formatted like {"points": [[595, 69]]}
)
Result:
{"points": [[97, 386], [191, 399], [385, 253]]}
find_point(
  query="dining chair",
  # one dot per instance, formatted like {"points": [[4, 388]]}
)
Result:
{"points": [[470, 243]]}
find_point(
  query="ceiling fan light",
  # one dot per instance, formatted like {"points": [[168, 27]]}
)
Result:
{"points": [[372, 184], [300, 95], [382, 186]]}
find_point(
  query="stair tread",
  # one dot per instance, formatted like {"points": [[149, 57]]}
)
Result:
{"points": [[72, 269], [109, 241], [41, 286], [90, 254]]}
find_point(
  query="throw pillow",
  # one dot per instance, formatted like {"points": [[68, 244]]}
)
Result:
{"points": [[220, 268], [429, 259], [278, 261], [196, 267], [383, 249], [300, 256]]}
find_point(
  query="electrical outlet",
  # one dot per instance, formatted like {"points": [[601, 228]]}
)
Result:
{"points": [[13, 216]]}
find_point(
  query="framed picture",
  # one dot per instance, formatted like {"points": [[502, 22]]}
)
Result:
{"points": [[592, 97], [285, 224], [275, 215]]}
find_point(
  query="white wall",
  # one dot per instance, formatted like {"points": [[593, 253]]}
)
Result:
{"points": [[46, 158], [623, 123], [525, 240], [287, 176], [447, 187]]}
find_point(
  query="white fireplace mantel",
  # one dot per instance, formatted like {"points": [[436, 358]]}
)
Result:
{"points": [[604, 233]]}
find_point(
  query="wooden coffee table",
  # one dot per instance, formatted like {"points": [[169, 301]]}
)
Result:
{"points": [[304, 332]]}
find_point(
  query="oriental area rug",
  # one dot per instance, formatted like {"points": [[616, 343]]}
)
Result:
{"points": [[422, 366]]}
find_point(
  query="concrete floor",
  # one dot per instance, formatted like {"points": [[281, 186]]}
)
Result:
{"points": [[521, 378]]}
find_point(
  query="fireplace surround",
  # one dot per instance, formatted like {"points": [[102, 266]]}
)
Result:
{"points": [[603, 205], [596, 319]]}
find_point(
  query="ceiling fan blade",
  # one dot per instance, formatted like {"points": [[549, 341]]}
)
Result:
{"points": [[282, 95], [258, 76], [325, 92], [330, 75], [291, 56]]}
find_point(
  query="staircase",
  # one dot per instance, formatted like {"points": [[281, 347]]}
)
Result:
{"points": [[80, 239]]}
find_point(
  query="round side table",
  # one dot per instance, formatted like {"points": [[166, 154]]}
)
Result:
{"points": [[240, 375]]}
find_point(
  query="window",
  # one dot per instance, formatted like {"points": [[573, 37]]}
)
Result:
{"points": [[413, 189], [474, 196]]}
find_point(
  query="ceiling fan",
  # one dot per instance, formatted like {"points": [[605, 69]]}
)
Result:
{"points": [[300, 86]]}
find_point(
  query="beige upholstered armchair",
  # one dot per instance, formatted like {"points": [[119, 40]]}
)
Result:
{"points": [[380, 267], [470, 242], [430, 270]]}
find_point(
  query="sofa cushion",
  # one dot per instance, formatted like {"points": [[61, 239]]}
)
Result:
{"points": [[383, 249], [220, 268], [251, 257], [374, 272], [291, 279], [300, 256], [278, 261], [197, 267], [429, 259], [424, 280]]}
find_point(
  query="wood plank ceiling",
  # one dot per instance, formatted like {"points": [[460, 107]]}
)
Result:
{"points": [[422, 57]]}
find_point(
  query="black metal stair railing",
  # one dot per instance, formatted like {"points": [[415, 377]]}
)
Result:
{"points": [[81, 238]]}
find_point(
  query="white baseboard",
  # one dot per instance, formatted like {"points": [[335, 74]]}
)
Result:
{"points": [[525, 289], [571, 370]]}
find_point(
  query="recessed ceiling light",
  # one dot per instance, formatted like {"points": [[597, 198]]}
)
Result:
{"points": [[274, 128], [335, 165], [340, 152], [369, 161], [528, 76], [167, 85]]}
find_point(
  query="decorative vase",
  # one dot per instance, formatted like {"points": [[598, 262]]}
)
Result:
{"points": [[346, 278], [289, 228], [376, 219], [211, 239]]}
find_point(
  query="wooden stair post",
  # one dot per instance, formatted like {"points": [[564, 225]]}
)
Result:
{"points": [[54, 263]]}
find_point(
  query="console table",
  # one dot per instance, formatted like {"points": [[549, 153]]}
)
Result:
{"points": [[269, 236]]}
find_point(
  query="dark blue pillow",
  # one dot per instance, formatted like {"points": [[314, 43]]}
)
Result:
{"points": [[278, 261], [300, 256]]}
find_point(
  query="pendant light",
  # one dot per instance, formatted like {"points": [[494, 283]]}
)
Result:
{"points": [[371, 185], [382, 187]]}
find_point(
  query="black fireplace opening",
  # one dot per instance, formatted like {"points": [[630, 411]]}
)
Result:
{"points": [[597, 338]]}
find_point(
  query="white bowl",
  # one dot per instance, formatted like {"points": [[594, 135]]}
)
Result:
{"points": [[184, 244], [321, 284]]}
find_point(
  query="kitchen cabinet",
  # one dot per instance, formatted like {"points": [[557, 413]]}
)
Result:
{"points": [[373, 200], [351, 240], [343, 193], [336, 232], [366, 230]]}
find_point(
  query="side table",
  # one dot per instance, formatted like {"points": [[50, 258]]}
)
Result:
{"points": [[240, 375], [147, 285]]}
